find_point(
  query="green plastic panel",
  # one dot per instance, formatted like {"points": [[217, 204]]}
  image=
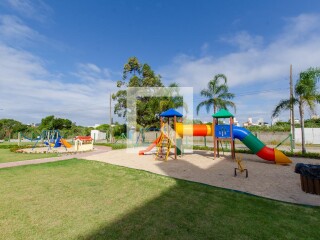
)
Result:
{"points": [[253, 143]]}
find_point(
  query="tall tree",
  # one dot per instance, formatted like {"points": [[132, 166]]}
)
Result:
{"points": [[51, 123], [306, 95], [141, 76], [11, 126], [172, 99], [136, 74], [217, 94]]}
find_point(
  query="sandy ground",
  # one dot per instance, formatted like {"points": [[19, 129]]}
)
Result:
{"points": [[265, 178], [51, 150]]}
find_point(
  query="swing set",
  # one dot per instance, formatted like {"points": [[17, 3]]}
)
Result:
{"points": [[51, 138]]}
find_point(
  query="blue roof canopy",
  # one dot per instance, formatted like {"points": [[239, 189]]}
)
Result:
{"points": [[170, 113]]}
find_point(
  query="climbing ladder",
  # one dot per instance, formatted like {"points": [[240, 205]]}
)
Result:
{"points": [[163, 147]]}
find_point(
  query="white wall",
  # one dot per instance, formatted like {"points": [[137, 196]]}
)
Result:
{"points": [[97, 135], [312, 135]]}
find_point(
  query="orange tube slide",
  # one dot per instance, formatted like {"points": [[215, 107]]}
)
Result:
{"points": [[200, 130]]}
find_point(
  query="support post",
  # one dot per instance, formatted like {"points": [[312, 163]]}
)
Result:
{"points": [[231, 138], [291, 143], [214, 138], [110, 118], [175, 136], [19, 138], [292, 110]]}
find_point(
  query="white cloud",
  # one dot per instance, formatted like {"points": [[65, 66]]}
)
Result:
{"points": [[30, 92], [204, 48], [244, 41], [94, 67], [254, 63], [92, 73], [34, 9], [12, 29], [298, 27]]}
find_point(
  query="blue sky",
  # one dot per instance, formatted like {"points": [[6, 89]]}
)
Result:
{"points": [[64, 57]]}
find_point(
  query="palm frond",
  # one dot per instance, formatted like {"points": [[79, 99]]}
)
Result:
{"points": [[217, 94], [200, 105], [311, 103], [209, 105], [227, 95], [212, 85], [220, 76], [221, 89], [231, 104], [284, 104], [206, 93]]}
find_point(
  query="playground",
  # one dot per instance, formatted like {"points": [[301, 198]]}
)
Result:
{"points": [[114, 190], [269, 173], [173, 137], [51, 141]]}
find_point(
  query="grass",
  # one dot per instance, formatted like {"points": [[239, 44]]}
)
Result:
{"points": [[8, 153], [77, 199], [7, 156], [114, 146]]}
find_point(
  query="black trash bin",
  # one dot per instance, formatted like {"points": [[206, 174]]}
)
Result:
{"points": [[310, 177]]}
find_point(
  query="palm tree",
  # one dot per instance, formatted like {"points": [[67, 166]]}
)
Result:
{"points": [[217, 94], [173, 98], [306, 94]]}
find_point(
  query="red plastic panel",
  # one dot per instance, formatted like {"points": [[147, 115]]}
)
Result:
{"points": [[199, 130], [266, 153]]}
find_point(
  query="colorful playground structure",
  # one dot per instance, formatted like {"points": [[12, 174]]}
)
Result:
{"points": [[172, 137], [53, 139], [83, 143]]}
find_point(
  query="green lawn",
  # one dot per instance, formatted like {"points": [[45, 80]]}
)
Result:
{"points": [[78, 199], [7, 156]]}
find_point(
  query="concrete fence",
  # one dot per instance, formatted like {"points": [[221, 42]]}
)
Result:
{"points": [[312, 135]]}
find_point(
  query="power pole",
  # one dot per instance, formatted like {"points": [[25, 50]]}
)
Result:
{"points": [[110, 118], [292, 109], [110, 111]]}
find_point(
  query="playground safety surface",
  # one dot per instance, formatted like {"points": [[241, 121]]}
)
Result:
{"points": [[52, 150], [265, 178]]}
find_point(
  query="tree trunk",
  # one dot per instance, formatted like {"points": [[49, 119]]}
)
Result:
{"points": [[302, 126]]}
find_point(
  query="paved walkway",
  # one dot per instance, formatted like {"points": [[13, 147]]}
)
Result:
{"points": [[97, 150]]}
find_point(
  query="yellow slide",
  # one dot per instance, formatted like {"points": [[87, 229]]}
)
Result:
{"points": [[65, 143]]}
